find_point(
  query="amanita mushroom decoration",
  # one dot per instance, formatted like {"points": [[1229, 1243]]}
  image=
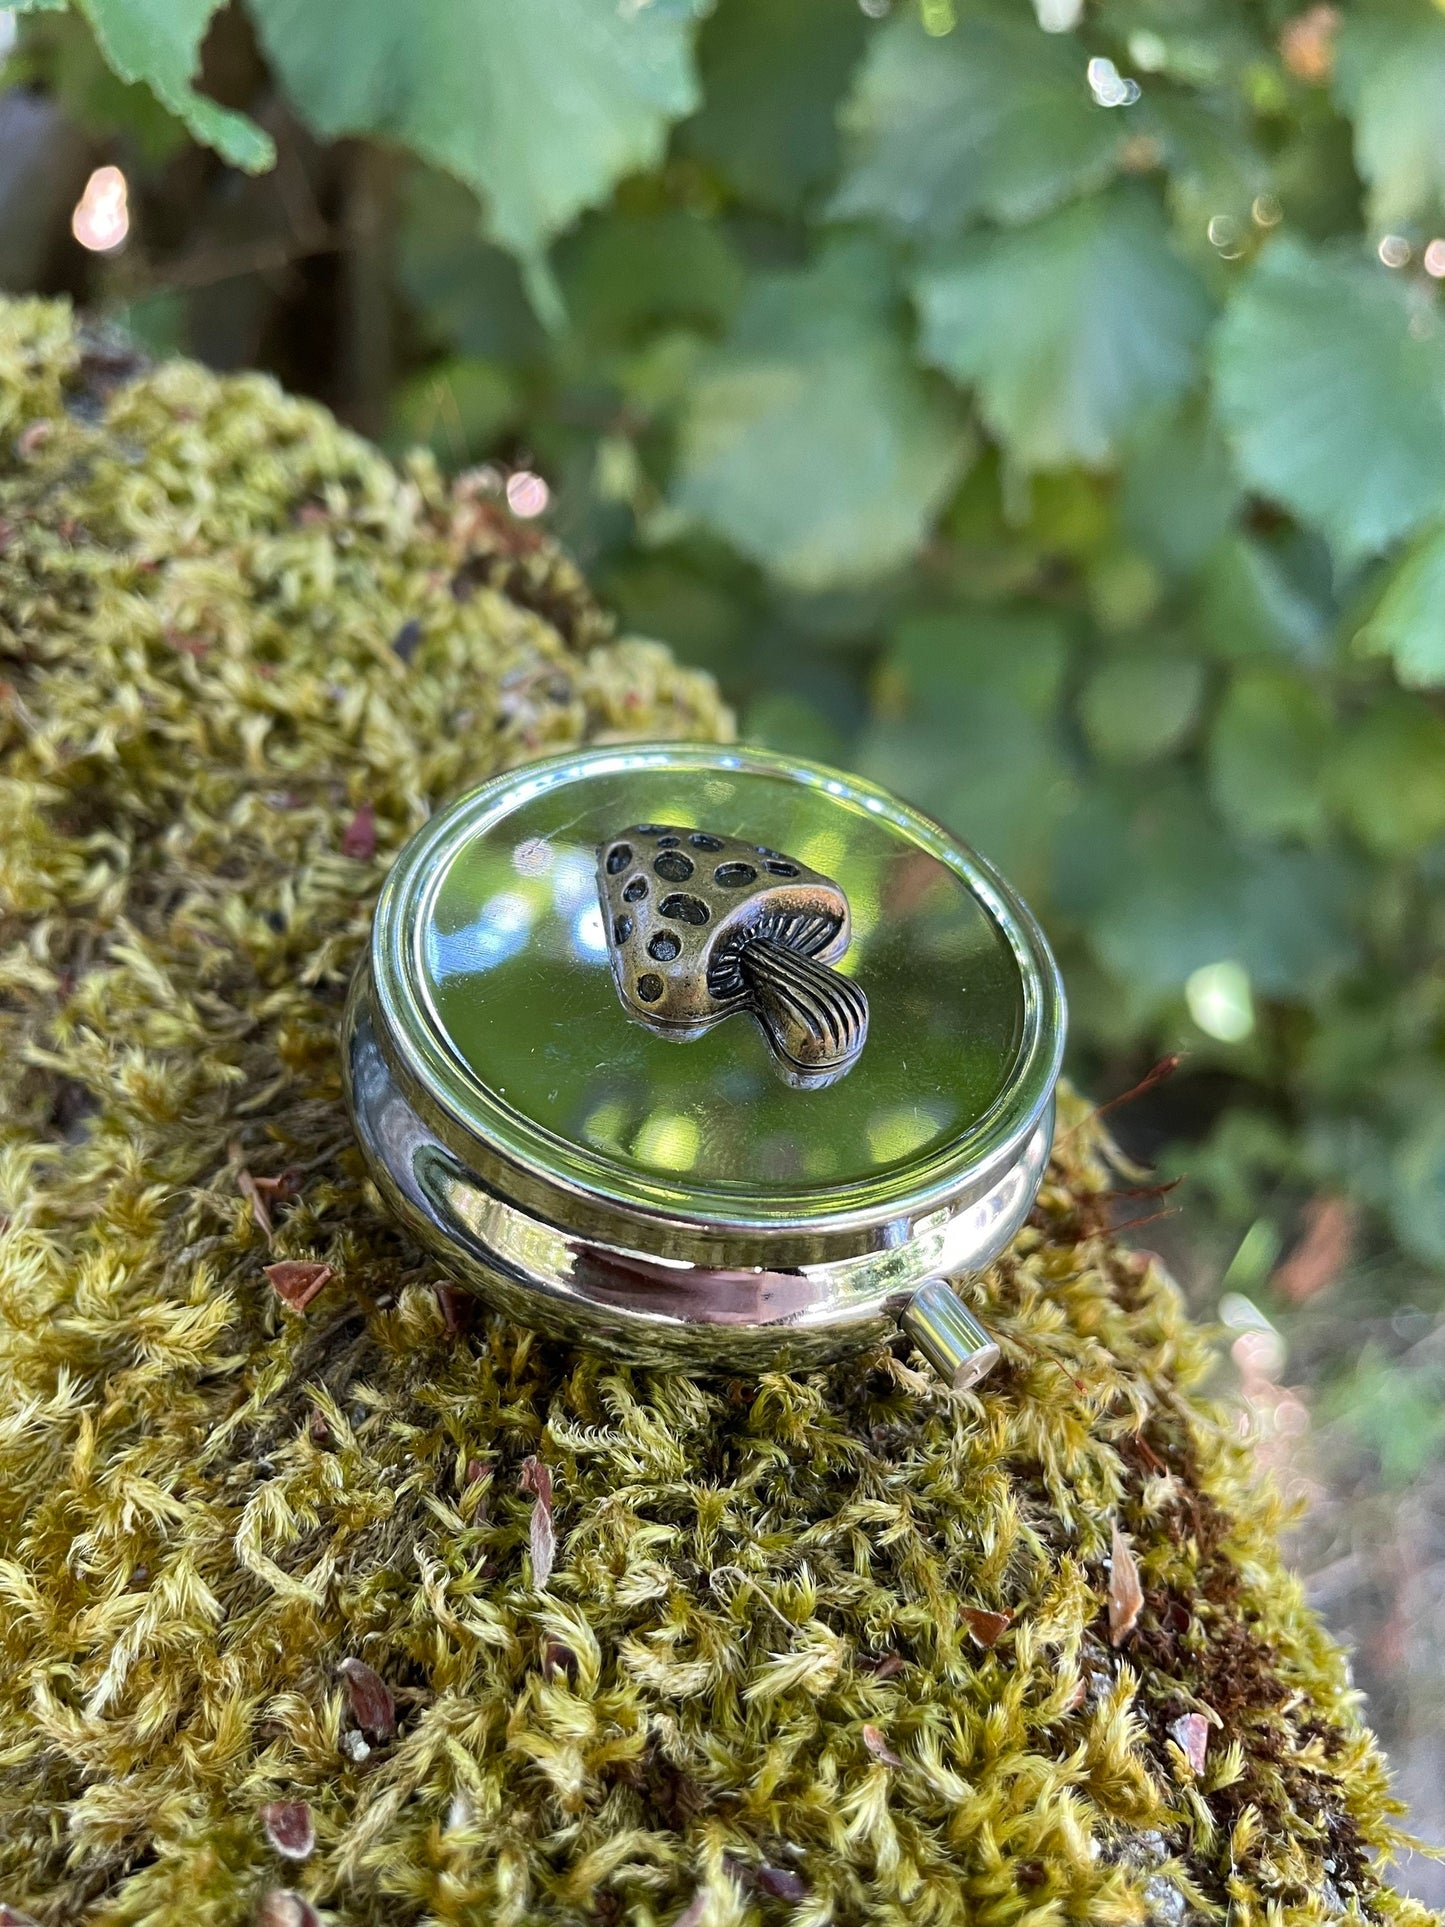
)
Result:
{"points": [[700, 926]]}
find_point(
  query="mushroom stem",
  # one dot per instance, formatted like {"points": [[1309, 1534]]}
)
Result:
{"points": [[815, 1019]]}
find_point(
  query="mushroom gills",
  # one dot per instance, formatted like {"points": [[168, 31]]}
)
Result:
{"points": [[808, 932], [815, 1019]]}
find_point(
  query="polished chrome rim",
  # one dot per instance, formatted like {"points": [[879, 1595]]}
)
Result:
{"points": [[650, 1310], [708, 1223]]}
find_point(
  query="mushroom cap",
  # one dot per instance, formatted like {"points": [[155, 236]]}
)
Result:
{"points": [[678, 904]]}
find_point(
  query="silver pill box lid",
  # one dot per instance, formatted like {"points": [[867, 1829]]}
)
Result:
{"points": [[496, 1011]]}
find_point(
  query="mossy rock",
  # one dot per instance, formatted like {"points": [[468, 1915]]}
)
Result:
{"points": [[833, 1647]]}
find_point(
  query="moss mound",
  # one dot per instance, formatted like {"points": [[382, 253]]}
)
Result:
{"points": [[834, 1648]]}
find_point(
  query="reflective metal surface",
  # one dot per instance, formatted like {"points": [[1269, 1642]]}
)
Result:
{"points": [[656, 1188], [653, 1312], [949, 1336], [498, 1018]]}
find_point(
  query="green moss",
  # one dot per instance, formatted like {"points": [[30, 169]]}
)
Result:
{"points": [[235, 640]]}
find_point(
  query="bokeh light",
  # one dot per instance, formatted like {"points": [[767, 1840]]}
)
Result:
{"points": [[1220, 1002], [101, 220], [1109, 87], [527, 494]]}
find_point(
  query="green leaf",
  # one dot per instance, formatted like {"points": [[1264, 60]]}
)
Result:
{"points": [[1335, 405], [624, 277], [1267, 755], [1213, 167], [1188, 896], [457, 409], [1250, 605], [1408, 623], [158, 43], [538, 105], [972, 733], [809, 440], [1390, 79], [1396, 1410], [1137, 706], [1389, 777], [1418, 1193], [1071, 329], [470, 293], [772, 72], [993, 119], [1180, 493]]}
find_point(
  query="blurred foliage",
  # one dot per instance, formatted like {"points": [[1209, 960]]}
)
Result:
{"points": [[1050, 424]]}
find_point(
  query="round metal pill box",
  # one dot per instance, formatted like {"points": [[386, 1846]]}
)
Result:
{"points": [[706, 1057]]}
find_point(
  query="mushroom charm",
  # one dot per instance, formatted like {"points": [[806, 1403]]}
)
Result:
{"points": [[699, 926]]}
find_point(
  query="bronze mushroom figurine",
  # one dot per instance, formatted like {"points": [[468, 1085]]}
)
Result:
{"points": [[700, 925]]}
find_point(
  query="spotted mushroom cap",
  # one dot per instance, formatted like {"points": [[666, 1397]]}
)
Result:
{"points": [[678, 905]]}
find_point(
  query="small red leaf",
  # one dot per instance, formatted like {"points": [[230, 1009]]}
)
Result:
{"points": [[12, 1917], [456, 1308], [780, 1882], [1192, 1737], [1126, 1595], [882, 1665], [558, 1660], [297, 1281], [359, 837], [372, 1706], [289, 1828], [282, 1189], [878, 1746], [537, 1479], [479, 1481], [986, 1627], [249, 1189], [284, 1907]]}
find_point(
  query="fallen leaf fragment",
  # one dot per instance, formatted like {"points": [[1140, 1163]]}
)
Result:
{"points": [[537, 1479], [558, 1660], [1307, 44], [780, 1883], [986, 1627], [478, 1483], [251, 1191], [282, 1189], [289, 1828], [1331, 1226], [12, 1917], [1126, 1595], [372, 1706], [284, 1907], [877, 1745], [358, 839], [882, 1665], [456, 1308], [296, 1281], [1192, 1736]]}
